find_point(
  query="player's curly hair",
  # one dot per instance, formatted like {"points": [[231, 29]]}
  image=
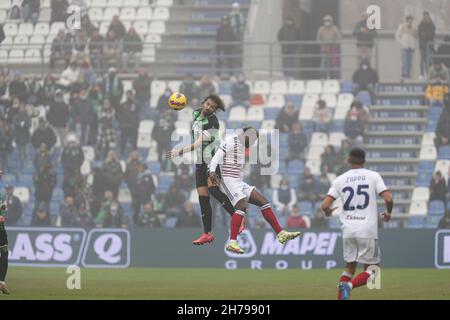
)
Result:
{"points": [[217, 101]]}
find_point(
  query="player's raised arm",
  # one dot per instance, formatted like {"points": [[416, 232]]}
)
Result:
{"points": [[178, 152], [389, 201]]}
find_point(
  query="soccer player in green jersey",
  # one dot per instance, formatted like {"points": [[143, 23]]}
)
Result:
{"points": [[205, 137], [3, 244]]}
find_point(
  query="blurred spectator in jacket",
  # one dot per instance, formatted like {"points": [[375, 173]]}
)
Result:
{"points": [[106, 136], [61, 50], [297, 142], [15, 209], [142, 88], [82, 113], [73, 186], [286, 118], [184, 179], [69, 76], [284, 198], [117, 27], [84, 219], [173, 201], [145, 189], [58, 115], [426, 32], [41, 217], [438, 187], [68, 212], [87, 73], [150, 217], [132, 170], [80, 41], [365, 78], [2, 33], [330, 160], [113, 88], [240, 92], [443, 52], [206, 87], [162, 101], [225, 46], [309, 187], [44, 184], [364, 39], [324, 182], [329, 35], [6, 138], [42, 157], [21, 129], [443, 129], [237, 20], [129, 119], [59, 10], [406, 36], [188, 218], [112, 173], [111, 213], [72, 156], [355, 122], [18, 88], [189, 89], [96, 49], [112, 50], [295, 220], [321, 116], [132, 49], [43, 134], [162, 133], [319, 221], [344, 153], [97, 191], [30, 10], [438, 73], [286, 35], [444, 223]]}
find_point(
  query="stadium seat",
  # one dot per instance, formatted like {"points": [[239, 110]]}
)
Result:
{"points": [[109, 13], [365, 98], [295, 167], [45, 15], [99, 3], [319, 139], [25, 29], [154, 39], [276, 101], [16, 56], [166, 3], [255, 114], [56, 26], [261, 87], [336, 138], [238, 114], [421, 194], [428, 139], [37, 40], [444, 153], [96, 14], [314, 87], [158, 87], [423, 179], [146, 126], [171, 222], [8, 41], [418, 208], [415, 222], [144, 14], [10, 29], [432, 222], [443, 166], [174, 85], [346, 86], [306, 113], [144, 140], [306, 208], [183, 125], [314, 166], [141, 27], [3, 15], [309, 100], [315, 152], [343, 106], [426, 166], [428, 153], [33, 56], [268, 124], [132, 3], [334, 223], [436, 208], [161, 13], [116, 3], [158, 27], [296, 87], [279, 87], [21, 41], [86, 168], [124, 195], [41, 29], [22, 193], [331, 87], [275, 181], [148, 55], [89, 153], [330, 99]]}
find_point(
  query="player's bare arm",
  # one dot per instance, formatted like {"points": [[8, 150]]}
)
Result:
{"points": [[326, 206], [388, 200], [178, 152]]}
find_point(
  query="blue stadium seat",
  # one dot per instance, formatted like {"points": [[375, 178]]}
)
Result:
{"points": [[448, 205], [346, 86], [9, 179], [271, 113], [434, 113], [234, 125], [254, 124], [58, 195], [155, 167], [308, 128], [127, 210], [294, 181], [415, 222], [54, 207], [295, 99], [164, 183], [432, 222], [225, 87], [26, 180], [444, 153], [365, 98], [334, 223], [431, 125], [426, 166], [423, 179], [295, 167], [171, 222], [337, 126], [436, 208], [306, 208]]}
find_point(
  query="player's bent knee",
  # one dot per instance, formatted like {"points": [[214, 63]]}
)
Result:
{"points": [[4, 251]]}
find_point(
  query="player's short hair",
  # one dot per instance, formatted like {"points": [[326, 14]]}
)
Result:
{"points": [[357, 156], [217, 101]]}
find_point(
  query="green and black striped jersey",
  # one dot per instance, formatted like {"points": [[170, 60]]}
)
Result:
{"points": [[209, 127], [2, 212]]}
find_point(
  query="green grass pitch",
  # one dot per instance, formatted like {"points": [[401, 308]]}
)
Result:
{"points": [[185, 284]]}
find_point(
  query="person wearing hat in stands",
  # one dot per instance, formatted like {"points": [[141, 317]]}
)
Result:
{"points": [[15, 209]]}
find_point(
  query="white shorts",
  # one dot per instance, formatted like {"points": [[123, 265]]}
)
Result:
{"points": [[235, 189], [361, 250]]}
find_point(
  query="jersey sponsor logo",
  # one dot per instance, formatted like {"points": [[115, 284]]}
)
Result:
{"points": [[442, 249]]}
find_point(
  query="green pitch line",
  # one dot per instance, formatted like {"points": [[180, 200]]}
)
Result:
{"points": [[50, 283]]}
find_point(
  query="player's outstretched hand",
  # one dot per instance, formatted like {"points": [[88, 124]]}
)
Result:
{"points": [[2, 219], [214, 179], [330, 211], [171, 154], [385, 216]]}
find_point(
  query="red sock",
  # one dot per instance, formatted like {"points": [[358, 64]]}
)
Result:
{"points": [[360, 279], [270, 217], [345, 277], [236, 221]]}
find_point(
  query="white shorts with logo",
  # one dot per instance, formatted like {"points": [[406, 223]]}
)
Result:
{"points": [[361, 250], [235, 189]]}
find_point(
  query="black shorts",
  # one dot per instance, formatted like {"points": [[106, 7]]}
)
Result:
{"points": [[3, 239], [201, 175]]}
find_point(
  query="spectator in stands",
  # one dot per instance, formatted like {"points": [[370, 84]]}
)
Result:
{"points": [[87, 73], [240, 92], [225, 46], [112, 49], [49, 89], [15, 209], [324, 182], [73, 186], [346, 147], [6, 138], [184, 179], [21, 128], [43, 134], [289, 33], [84, 219], [97, 191], [18, 88], [82, 113], [86, 25], [106, 136], [443, 52], [150, 217], [443, 129], [145, 189], [295, 220], [237, 21], [113, 88], [321, 116], [173, 201], [44, 184], [319, 221], [129, 119], [42, 157], [162, 133], [365, 79], [69, 76], [444, 223], [68, 213], [406, 35], [355, 122], [59, 10], [284, 198], [142, 86], [80, 41], [188, 217], [30, 10], [426, 32], [132, 49], [14, 13], [330, 160], [438, 73], [72, 155], [96, 49], [131, 174], [2, 36], [161, 106], [206, 87], [297, 142], [189, 89], [41, 217], [112, 173], [438, 187], [308, 190], [61, 49], [364, 39], [117, 27], [96, 97], [111, 213], [329, 35], [286, 118], [58, 115]]}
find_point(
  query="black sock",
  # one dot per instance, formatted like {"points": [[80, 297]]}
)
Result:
{"points": [[223, 199], [205, 207], [3, 263]]}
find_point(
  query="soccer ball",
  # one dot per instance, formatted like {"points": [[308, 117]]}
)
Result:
{"points": [[177, 101]]}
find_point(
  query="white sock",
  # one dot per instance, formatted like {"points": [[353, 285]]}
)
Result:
{"points": [[2, 282]]}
